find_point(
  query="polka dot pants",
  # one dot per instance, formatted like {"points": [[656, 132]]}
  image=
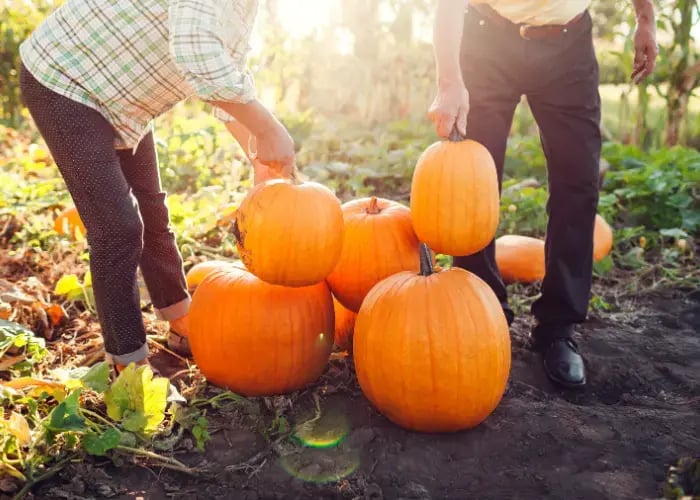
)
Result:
{"points": [[120, 200]]}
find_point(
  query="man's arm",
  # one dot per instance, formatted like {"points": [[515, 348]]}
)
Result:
{"points": [[645, 48], [451, 105]]}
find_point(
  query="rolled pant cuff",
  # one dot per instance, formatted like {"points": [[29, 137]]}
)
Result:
{"points": [[131, 357], [174, 311]]}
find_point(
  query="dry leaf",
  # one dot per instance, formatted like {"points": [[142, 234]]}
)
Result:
{"points": [[20, 429]]}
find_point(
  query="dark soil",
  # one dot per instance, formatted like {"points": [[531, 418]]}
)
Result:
{"points": [[616, 439]]}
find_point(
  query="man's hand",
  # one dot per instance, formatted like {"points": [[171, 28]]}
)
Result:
{"points": [[450, 108], [645, 48]]}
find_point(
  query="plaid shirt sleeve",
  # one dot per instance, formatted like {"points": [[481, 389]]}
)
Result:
{"points": [[202, 33]]}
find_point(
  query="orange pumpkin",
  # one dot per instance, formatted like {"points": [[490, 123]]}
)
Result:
{"points": [[344, 325], [520, 258], [69, 223], [289, 233], [201, 270], [259, 339], [379, 241], [455, 198], [432, 350], [602, 238]]}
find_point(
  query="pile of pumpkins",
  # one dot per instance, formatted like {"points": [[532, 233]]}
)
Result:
{"points": [[431, 346]]}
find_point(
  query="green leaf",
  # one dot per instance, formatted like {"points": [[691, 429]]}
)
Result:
{"points": [[100, 443], [67, 285], [97, 377], [673, 233], [66, 416], [127, 439], [137, 399], [134, 421]]}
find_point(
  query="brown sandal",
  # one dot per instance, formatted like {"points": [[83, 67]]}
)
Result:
{"points": [[179, 344]]}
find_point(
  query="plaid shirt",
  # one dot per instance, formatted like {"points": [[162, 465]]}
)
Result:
{"points": [[132, 60]]}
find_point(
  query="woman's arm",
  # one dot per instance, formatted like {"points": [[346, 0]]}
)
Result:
{"points": [[216, 77], [244, 138]]}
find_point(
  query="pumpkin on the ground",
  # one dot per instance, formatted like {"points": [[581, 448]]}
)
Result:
{"points": [[455, 198], [289, 233], [344, 325], [379, 241], [201, 270], [258, 339], [520, 258], [602, 238], [432, 350], [69, 223]]}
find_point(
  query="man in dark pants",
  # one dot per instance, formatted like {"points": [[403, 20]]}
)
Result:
{"points": [[543, 50]]}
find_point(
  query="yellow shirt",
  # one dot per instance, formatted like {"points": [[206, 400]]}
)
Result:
{"points": [[537, 12]]}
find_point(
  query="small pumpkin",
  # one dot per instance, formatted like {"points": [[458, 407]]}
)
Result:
{"points": [[344, 325], [379, 241], [289, 233], [432, 350], [201, 270], [520, 258], [69, 223], [455, 197], [602, 238], [259, 339]]}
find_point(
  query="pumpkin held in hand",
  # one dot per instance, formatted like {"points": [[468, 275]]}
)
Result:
{"points": [[455, 198], [289, 233], [520, 258], [259, 339], [432, 350], [344, 325], [379, 241]]}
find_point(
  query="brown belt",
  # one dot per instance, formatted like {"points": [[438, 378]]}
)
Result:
{"points": [[527, 31]]}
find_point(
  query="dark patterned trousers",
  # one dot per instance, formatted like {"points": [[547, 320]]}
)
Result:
{"points": [[119, 198]]}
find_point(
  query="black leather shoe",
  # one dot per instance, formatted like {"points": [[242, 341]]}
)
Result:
{"points": [[563, 363]]}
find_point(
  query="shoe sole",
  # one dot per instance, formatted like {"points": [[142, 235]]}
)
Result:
{"points": [[560, 382]]}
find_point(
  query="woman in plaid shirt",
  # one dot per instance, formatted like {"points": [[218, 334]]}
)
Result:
{"points": [[95, 73]]}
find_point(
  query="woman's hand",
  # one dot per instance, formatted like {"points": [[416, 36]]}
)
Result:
{"points": [[262, 136], [274, 148]]}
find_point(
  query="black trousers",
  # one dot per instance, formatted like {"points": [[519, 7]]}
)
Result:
{"points": [[120, 200], [559, 76]]}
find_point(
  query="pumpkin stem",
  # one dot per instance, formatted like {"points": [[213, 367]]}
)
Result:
{"points": [[426, 260], [455, 135], [373, 207]]}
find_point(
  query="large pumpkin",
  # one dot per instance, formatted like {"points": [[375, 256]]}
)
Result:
{"points": [[455, 198], [68, 222], [432, 350], [344, 325], [379, 241], [289, 233], [259, 339], [602, 238], [520, 258]]}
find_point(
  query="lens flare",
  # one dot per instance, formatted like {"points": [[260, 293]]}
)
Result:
{"points": [[321, 465], [328, 431]]}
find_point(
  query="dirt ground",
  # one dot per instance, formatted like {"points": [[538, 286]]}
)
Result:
{"points": [[639, 414]]}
